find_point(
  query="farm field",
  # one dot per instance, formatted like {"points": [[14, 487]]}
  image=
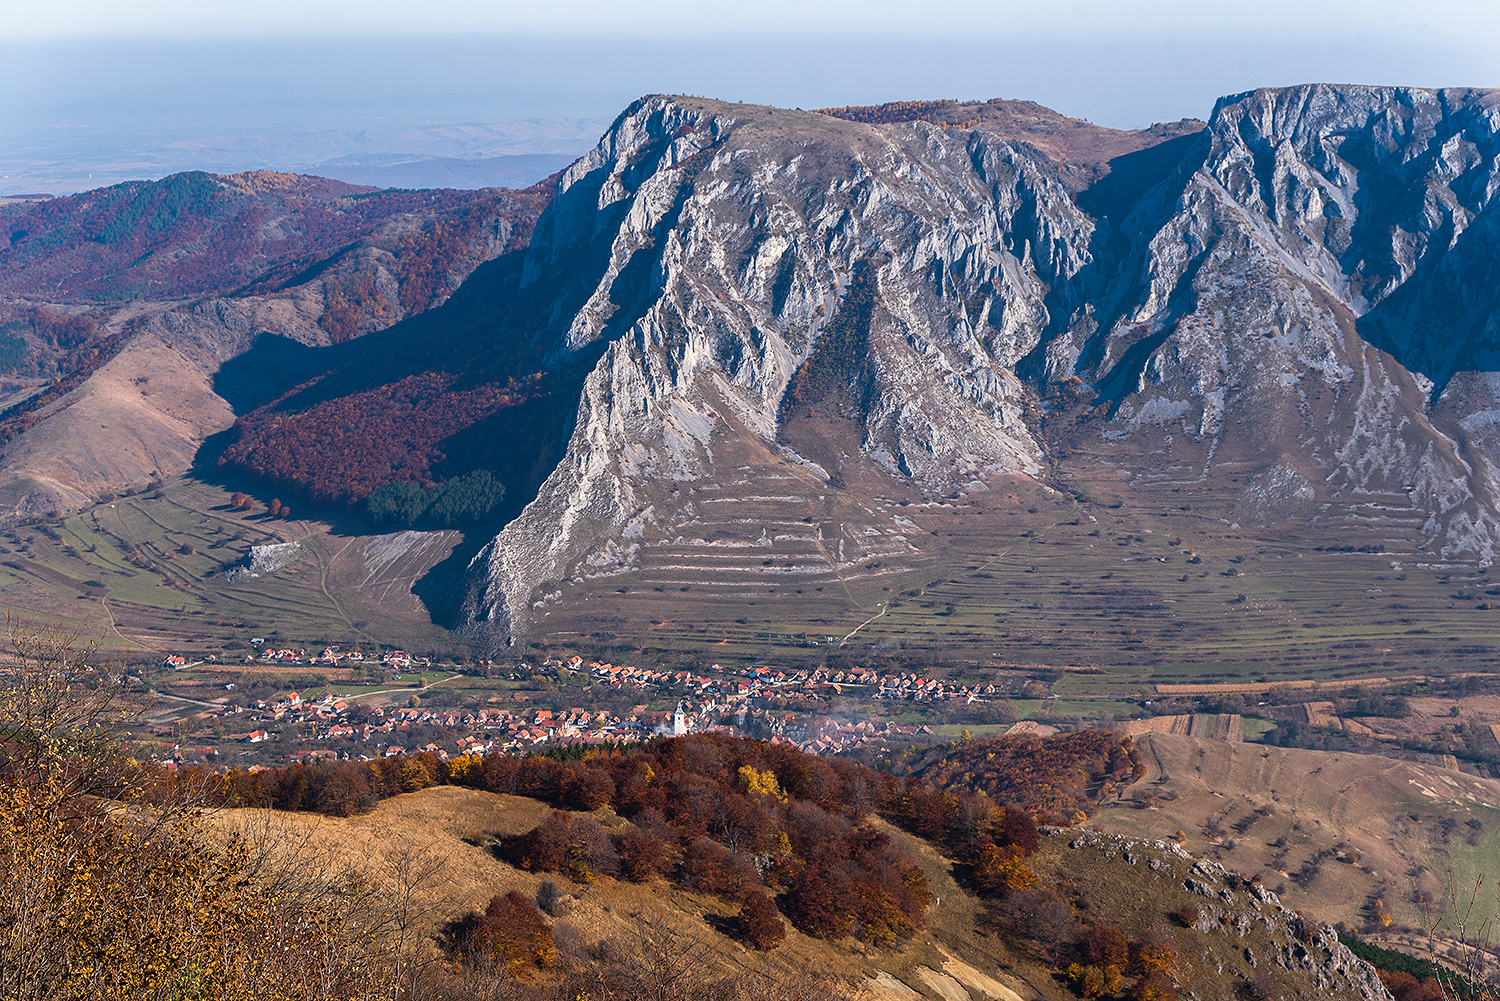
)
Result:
{"points": [[154, 573], [1108, 602], [1119, 598]]}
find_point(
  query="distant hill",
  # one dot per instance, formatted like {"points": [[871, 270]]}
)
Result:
{"points": [[197, 234], [154, 285], [520, 170]]}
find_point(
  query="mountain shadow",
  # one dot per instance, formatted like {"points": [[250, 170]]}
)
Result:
{"points": [[273, 365], [1440, 320], [1131, 203]]}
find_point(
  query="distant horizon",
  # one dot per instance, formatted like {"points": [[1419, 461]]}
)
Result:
{"points": [[146, 107], [686, 19]]}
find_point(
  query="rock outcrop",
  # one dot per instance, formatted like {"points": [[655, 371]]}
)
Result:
{"points": [[1267, 938], [772, 265]]}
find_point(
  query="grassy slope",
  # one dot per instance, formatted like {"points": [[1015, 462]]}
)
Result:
{"points": [[339, 585], [1058, 597], [1018, 575], [1392, 812], [947, 960]]}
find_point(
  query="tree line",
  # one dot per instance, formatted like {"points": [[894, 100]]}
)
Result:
{"points": [[460, 501]]}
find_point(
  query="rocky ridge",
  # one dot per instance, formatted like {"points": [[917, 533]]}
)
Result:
{"points": [[1267, 934], [727, 238], [1297, 295]]}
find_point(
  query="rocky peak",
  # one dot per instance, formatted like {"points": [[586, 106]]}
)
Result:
{"points": [[1303, 289], [720, 255]]}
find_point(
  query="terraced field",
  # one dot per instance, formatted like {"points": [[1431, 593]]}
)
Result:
{"points": [[772, 564], [155, 573], [1009, 574]]}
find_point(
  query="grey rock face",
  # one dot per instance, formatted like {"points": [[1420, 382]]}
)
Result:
{"points": [[724, 238], [1309, 286], [1333, 237]]}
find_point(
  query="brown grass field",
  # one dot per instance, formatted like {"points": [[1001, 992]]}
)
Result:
{"points": [[1409, 824], [434, 824]]}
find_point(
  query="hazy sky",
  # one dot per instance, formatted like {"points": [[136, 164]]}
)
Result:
{"points": [[1115, 61], [93, 89], [1290, 20]]}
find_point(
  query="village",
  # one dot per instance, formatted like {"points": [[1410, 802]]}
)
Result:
{"points": [[775, 704]]}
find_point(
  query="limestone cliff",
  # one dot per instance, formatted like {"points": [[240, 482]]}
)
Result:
{"points": [[1301, 293], [893, 275]]}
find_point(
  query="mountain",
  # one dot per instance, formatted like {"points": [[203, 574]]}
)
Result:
{"points": [[119, 307], [806, 320], [516, 170]]}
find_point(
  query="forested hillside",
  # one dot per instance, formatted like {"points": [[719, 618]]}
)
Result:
{"points": [[1061, 778], [453, 391], [265, 271], [743, 819], [197, 234]]}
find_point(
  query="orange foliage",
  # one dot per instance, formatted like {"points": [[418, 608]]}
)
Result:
{"points": [[339, 450], [1055, 777], [511, 934]]}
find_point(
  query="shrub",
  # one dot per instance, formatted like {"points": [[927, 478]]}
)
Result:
{"points": [[758, 923], [545, 847], [760, 782], [1094, 981], [1154, 987], [999, 868], [643, 855], [1018, 829], [589, 788], [590, 854], [709, 867], [1155, 958], [1105, 946], [512, 934], [547, 897], [819, 902]]}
